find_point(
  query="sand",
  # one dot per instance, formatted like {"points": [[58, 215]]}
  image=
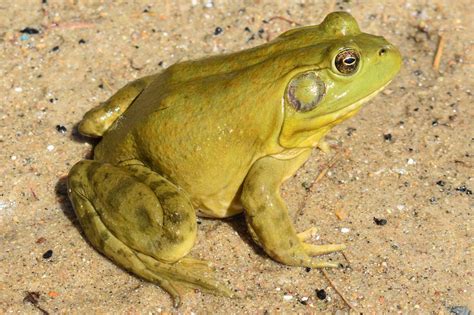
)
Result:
{"points": [[406, 158]]}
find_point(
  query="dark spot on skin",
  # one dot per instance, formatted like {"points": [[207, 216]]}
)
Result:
{"points": [[143, 218], [156, 183], [104, 235], [166, 196], [122, 253]]}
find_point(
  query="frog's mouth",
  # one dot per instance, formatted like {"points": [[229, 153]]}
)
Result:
{"points": [[349, 111]]}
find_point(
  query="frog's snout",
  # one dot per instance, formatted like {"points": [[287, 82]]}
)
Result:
{"points": [[388, 49], [389, 54]]}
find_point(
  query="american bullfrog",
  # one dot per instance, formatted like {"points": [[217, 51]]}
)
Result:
{"points": [[216, 137]]}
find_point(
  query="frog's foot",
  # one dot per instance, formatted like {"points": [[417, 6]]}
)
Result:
{"points": [[142, 222], [184, 274]]}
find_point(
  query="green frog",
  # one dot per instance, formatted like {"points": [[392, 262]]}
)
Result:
{"points": [[216, 137]]}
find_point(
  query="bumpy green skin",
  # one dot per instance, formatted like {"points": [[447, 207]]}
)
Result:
{"points": [[217, 136]]}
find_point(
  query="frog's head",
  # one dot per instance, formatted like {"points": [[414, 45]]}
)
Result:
{"points": [[337, 72]]}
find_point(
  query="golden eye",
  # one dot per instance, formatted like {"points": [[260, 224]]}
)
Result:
{"points": [[347, 61], [305, 91]]}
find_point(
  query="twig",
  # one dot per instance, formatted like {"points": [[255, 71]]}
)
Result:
{"points": [[106, 83], [439, 52], [33, 298], [345, 257], [34, 194], [338, 292], [278, 17]]}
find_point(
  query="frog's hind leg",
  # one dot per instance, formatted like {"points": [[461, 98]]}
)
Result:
{"points": [[96, 121], [142, 222]]}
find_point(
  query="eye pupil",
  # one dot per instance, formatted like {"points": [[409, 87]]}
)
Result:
{"points": [[347, 61]]}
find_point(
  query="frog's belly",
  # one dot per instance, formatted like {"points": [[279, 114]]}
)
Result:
{"points": [[218, 206]]}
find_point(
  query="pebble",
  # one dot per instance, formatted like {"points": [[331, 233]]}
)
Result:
{"points": [[18, 89], [48, 254], [218, 30], [50, 147], [345, 230], [321, 294], [287, 297], [380, 221]]}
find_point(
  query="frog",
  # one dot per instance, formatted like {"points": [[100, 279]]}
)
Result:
{"points": [[216, 137]]}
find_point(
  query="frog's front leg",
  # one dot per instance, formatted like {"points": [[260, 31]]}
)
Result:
{"points": [[267, 215], [97, 120], [142, 222]]}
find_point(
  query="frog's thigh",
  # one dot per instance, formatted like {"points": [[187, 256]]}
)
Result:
{"points": [[142, 222], [139, 207]]}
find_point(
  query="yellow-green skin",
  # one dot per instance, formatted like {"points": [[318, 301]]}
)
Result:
{"points": [[217, 136]]}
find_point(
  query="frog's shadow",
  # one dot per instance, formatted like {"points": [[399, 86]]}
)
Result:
{"points": [[61, 185], [238, 224]]}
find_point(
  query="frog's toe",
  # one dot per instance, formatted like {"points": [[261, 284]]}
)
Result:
{"points": [[316, 250], [308, 234], [323, 264]]}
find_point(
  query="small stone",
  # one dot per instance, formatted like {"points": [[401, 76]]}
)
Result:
{"points": [[411, 161], [287, 297], [321, 294], [441, 183], [459, 310], [387, 137], [29, 31], [218, 30], [48, 254], [345, 230], [50, 147], [341, 214], [380, 221], [61, 129]]}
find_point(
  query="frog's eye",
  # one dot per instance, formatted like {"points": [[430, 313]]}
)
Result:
{"points": [[347, 61], [305, 91]]}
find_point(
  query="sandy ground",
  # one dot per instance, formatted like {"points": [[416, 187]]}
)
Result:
{"points": [[406, 158]]}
